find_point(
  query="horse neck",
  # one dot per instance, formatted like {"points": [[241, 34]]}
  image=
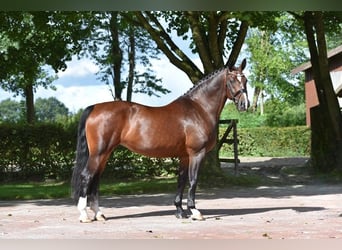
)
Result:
{"points": [[212, 96]]}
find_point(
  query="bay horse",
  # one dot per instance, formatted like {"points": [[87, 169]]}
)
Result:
{"points": [[185, 128]]}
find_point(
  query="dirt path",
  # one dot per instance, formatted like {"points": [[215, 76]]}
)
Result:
{"points": [[299, 211]]}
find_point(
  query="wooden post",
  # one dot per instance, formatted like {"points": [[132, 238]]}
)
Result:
{"points": [[232, 125]]}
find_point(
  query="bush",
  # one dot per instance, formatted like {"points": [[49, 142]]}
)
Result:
{"points": [[48, 151], [36, 152], [269, 141], [277, 114], [284, 116]]}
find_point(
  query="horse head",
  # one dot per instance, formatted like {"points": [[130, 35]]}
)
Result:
{"points": [[237, 86]]}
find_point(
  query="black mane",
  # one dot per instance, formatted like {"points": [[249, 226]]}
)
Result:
{"points": [[202, 82]]}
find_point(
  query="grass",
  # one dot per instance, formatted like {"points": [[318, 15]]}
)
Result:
{"points": [[42, 190], [27, 191]]}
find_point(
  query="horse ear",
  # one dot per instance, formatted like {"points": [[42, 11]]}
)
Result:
{"points": [[243, 64]]}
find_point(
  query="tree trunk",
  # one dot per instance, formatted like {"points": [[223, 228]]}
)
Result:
{"points": [[326, 120], [131, 61], [211, 172], [116, 55], [30, 113], [255, 99], [325, 149]]}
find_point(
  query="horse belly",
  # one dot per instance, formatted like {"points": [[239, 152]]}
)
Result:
{"points": [[156, 144]]}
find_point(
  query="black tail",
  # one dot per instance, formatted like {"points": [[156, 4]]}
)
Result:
{"points": [[82, 155]]}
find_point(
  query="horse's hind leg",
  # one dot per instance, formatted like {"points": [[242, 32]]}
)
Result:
{"points": [[86, 178], [93, 190], [89, 189], [94, 198]]}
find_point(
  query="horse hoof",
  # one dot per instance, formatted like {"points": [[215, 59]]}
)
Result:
{"points": [[181, 215], [200, 217], [85, 220], [100, 217], [196, 215]]}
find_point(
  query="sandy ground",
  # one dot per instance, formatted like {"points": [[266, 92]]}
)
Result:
{"points": [[300, 211]]}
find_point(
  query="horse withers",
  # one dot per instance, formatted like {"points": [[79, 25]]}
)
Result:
{"points": [[186, 128]]}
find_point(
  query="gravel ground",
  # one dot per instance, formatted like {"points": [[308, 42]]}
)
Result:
{"points": [[295, 210]]}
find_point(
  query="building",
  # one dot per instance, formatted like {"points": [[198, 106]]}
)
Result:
{"points": [[335, 68]]}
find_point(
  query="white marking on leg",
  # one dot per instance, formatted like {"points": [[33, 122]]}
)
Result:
{"points": [[196, 215], [81, 206]]}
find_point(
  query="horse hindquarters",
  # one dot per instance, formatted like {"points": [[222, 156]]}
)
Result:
{"points": [[86, 174], [82, 156]]}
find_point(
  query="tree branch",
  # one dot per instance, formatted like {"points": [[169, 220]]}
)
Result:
{"points": [[169, 48], [198, 35], [237, 44], [214, 34]]}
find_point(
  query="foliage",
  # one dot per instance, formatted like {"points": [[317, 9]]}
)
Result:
{"points": [[47, 110], [31, 41], [209, 34], [38, 151], [123, 51], [245, 119], [50, 110], [272, 56], [278, 114], [22, 55], [11, 111], [48, 151], [268, 141], [284, 115]]}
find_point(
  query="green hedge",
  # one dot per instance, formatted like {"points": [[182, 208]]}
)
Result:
{"points": [[270, 141], [48, 151], [36, 152]]}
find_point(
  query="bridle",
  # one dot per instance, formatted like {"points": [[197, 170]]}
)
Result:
{"points": [[237, 94]]}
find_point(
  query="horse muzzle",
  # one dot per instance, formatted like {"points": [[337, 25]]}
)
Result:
{"points": [[242, 102]]}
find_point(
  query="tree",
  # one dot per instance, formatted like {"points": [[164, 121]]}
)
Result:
{"points": [[118, 47], [30, 41], [273, 53], [50, 110], [215, 36], [326, 119], [326, 140], [11, 111]]}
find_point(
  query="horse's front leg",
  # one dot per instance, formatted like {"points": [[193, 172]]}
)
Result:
{"points": [[182, 180], [195, 163]]}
